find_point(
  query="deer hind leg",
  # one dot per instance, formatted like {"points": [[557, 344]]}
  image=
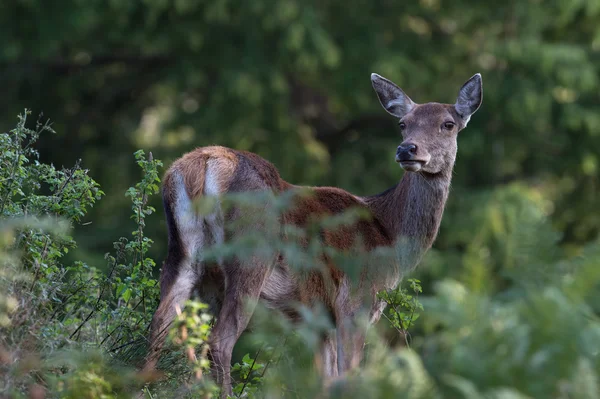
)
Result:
{"points": [[243, 285], [181, 272], [172, 297]]}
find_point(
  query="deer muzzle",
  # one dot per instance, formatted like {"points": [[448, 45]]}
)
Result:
{"points": [[406, 156]]}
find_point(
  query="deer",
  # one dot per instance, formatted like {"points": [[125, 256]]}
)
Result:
{"points": [[405, 217]]}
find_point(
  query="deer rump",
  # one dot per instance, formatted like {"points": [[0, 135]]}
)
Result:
{"points": [[215, 171]]}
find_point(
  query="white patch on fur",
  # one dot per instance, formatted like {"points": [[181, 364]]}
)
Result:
{"points": [[184, 283], [211, 188], [188, 223], [211, 185], [329, 358]]}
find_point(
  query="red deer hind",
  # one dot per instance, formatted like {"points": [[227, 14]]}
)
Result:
{"points": [[406, 217]]}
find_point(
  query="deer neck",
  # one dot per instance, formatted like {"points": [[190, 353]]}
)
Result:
{"points": [[411, 212]]}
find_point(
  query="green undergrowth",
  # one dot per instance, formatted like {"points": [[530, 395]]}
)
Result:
{"points": [[517, 319]]}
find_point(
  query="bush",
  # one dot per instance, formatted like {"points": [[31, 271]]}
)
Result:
{"points": [[72, 330], [51, 310]]}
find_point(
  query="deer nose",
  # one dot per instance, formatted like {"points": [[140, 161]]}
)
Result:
{"points": [[406, 151]]}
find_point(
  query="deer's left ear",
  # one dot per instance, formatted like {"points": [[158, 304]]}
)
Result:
{"points": [[469, 98]]}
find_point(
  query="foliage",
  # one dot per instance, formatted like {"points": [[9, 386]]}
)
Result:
{"points": [[534, 336], [71, 330], [90, 374], [50, 306], [251, 376], [190, 332], [132, 294], [403, 306], [38, 203]]}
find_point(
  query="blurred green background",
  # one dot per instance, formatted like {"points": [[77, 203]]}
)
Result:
{"points": [[289, 80]]}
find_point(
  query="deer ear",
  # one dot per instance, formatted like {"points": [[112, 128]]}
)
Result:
{"points": [[391, 96], [469, 98]]}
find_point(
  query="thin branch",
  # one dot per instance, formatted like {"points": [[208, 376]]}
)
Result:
{"points": [[247, 379], [68, 297], [11, 178], [399, 318], [95, 308], [135, 341], [39, 262]]}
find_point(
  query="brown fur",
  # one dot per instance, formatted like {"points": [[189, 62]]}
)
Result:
{"points": [[405, 218], [193, 165]]}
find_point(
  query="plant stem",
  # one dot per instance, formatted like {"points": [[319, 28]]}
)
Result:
{"points": [[250, 371]]}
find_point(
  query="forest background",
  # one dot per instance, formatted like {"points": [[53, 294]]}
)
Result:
{"points": [[289, 80]]}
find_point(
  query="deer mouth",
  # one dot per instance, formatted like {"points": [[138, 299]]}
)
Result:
{"points": [[411, 166]]}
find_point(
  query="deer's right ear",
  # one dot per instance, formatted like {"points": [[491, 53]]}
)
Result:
{"points": [[391, 97]]}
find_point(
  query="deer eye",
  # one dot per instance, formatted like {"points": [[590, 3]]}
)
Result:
{"points": [[402, 125], [448, 125]]}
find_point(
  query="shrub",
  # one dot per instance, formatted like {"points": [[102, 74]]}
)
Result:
{"points": [[72, 330], [50, 310]]}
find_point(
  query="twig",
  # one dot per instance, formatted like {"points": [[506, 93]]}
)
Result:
{"points": [[39, 265], [271, 361], [69, 177], [11, 178], [135, 341], [404, 331], [97, 302], [246, 380], [66, 300]]}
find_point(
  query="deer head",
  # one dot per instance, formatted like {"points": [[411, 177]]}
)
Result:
{"points": [[429, 130]]}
